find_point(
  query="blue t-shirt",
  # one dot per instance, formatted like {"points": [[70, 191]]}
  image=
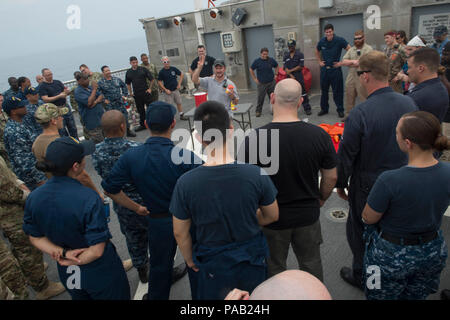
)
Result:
{"points": [[413, 200], [91, 116], [331, 50], [169, 77], [222, 202], [52, 90], [431, 96], [264, 69]]}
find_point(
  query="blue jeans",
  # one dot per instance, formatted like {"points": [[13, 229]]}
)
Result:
{"points": [[69, 126], [162, 247]]}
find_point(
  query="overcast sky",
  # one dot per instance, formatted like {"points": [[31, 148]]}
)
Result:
{"points": [[30, 26]]}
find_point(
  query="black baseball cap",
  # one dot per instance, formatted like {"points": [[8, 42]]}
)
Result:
{"points": [[160, 115], [30, 90], [292, 43], [12, 103], [65, 151], [219, 62]]}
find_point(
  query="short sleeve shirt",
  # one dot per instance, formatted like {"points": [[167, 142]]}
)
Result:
{"points": [[222, 202], [91, 116], [331, 50], [264, 69], [291, 62], [138, 79], [217, 90], [169, 77], [207, 70], [412, 200], [352, 54], [52, 90]]}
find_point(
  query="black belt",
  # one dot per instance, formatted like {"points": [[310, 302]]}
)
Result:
{"points": [[410, 241]]}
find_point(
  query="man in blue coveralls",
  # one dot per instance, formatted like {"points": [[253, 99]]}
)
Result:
{"points": [[368, 148], [154, 172], [331, 48]]}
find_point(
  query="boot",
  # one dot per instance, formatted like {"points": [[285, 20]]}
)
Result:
{"points": [[53, 289], [143, 274]]}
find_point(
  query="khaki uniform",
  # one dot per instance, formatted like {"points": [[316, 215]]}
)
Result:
{"points": [[155, 88], [398, 58], [353, 87], [25, 259]]}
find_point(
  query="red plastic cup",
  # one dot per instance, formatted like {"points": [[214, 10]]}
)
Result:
{"points": [[200, 98]]}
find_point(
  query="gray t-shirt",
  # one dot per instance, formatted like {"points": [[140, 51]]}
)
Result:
{"points": [[216, 90]]}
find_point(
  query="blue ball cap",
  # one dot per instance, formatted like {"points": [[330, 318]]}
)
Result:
{"points": [[440, 31], [30, 90], [65, 151], [12, 103], [160, 115]]}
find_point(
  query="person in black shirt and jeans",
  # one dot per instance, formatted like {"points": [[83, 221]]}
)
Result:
{"points": [[137, 76], [304, 150]]}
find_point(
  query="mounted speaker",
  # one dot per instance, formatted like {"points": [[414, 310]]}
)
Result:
{"points": [[239, 16]]}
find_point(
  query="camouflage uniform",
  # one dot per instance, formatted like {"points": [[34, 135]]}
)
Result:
{"points": [[18, 143], [25, 259], [407, 272], [113, 90], [133, 226], [30, 122], [5, 293], [398, 58], [3, 153], [155, 88]]}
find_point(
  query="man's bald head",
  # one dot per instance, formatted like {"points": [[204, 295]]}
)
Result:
{"points": [[291, 285], [288, 93], [113, 123]]}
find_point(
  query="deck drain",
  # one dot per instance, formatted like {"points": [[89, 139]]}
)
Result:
{"points": [[338, 214]]}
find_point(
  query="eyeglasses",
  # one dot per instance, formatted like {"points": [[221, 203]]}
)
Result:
{"points": [[357, 39], [166, 62], [360, 72]]}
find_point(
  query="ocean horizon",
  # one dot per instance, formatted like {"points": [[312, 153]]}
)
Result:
{"points": [[65, 62]]}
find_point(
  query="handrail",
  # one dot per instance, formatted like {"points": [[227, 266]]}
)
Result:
{"points": [[120, 73]]}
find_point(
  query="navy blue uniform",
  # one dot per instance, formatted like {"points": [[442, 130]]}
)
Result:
{"points": [[150, 168], [230, 249], [291, 62], [331, 53], [408, 271], [431, 96], [368, 148], [72, 216]]}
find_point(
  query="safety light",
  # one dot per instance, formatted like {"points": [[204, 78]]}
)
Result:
{"points": [[214, 13], [178, 20]]}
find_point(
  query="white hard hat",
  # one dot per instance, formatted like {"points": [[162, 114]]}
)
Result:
{"points": [[416, 42]]}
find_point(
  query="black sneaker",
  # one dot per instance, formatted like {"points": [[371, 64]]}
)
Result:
{"points": [[179, 272], [322, 113], [140, 128], [143, 274], [341, 114], [348, 276], [308, 112], [258, 114], [445, 294], [183, 117]]}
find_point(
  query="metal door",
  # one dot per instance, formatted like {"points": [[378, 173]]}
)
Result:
{"points": [[213, 46], [425, 19], [255, 39], [345, 27]]}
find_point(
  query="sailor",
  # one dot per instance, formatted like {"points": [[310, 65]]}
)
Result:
{"points": [[330, 74], [68, 222]]}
